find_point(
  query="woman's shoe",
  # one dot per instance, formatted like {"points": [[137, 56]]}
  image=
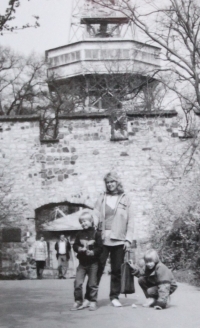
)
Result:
{"points": [[115, 302]]}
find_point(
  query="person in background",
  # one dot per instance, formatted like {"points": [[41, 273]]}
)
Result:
{"points": [[40, 255], [88, 246], [155, 279], [62, 248], [116, 223]]}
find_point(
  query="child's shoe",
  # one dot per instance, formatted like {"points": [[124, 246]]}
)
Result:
{"points": [[77, 305], [157, 307], [149, 302], [84, 305], [116, 303], [168, 301], [92, 306]]}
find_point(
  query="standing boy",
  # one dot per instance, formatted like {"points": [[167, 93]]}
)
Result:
{"points": [[88, 246]]}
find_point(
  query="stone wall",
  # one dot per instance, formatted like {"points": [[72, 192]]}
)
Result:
{"points": [[34, 172]]}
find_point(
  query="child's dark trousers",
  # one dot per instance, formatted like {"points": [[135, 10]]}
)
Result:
{"points": [[92, 288]]}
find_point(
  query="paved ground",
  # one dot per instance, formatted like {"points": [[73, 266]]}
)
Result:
{"points": [[46, 304]]}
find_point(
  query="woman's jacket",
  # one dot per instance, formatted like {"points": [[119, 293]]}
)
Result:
{"points": [[123, 221]]}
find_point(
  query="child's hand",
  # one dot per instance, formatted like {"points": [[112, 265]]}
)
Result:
{"points": [[89, 253], [82, 249]]}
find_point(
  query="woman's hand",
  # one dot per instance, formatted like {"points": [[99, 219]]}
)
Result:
{"points": [[127, 245], [130, 262]]}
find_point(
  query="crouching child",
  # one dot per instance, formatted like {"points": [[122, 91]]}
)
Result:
{"points": [[88, 246], [156, 280]]}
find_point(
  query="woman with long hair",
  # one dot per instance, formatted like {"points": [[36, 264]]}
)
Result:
{"points": [[116, 223]]}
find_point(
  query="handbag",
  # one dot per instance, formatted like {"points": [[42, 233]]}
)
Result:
{"points": [[127, 279]]}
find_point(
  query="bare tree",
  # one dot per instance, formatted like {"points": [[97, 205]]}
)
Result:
{"points": [[8, 17], [175, 27], [21, 82]]}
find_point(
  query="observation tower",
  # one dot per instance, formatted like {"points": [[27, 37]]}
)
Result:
{"points": [[102, 64]]}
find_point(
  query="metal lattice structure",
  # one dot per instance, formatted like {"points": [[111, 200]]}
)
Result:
{"points": [[102, 68], [88, 17]]}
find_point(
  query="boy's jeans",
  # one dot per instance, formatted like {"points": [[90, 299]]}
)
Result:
{"points": [[92, 288], [151, 290]]}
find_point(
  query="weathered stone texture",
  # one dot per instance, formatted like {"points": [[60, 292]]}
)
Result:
{"points": [[33, 174]]}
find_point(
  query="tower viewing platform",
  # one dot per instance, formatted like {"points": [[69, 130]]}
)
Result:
{"points": [[102, 63], [101, 56]]}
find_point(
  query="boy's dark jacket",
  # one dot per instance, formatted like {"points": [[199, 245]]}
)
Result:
{"points": [[162, 277], [93, 241], [68, 248]]}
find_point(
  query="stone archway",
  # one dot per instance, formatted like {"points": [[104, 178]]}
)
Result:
{"points": [[52, 220]]}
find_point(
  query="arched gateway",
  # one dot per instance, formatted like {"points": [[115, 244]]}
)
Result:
{"points": [[52, 220]]}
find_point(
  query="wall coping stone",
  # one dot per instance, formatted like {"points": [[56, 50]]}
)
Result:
{"points": [[19, 118], [84, 116], [24, 118], [160, 113], [47, 141]]}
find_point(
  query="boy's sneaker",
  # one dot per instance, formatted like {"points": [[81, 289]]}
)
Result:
{"points": [[168, 301], [115, 302], [157, 307], [93, 306], [149, 302], [76, 306], [85, 304]]}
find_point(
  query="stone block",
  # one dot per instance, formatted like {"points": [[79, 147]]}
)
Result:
{"points": [[60, 177], [146, 148], [124, 154], [174, 135], [70, 171], [74, 157], [65, 150]]}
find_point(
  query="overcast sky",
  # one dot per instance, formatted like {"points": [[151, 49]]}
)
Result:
{"points": [[55, 19], [54, 25]]}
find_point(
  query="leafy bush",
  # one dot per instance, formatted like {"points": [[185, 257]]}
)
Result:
{"points": [[176, 228]]}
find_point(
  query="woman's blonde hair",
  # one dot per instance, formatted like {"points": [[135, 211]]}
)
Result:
{"points": [[151, 254], [114, 176]]}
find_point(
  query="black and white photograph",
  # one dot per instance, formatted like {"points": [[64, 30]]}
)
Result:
{"points": [[99, 163]]}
